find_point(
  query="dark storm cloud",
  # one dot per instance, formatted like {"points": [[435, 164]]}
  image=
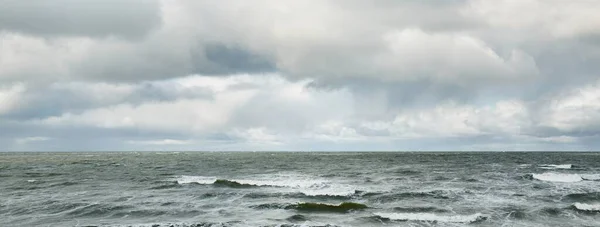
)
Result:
{"points": [[94, 18], [231, 60]]}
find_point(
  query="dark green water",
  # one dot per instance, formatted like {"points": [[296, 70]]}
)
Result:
{"points": [[299, 189]]}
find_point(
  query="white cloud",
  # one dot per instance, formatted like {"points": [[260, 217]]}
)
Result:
{"points": [[504, 118], [34, 139], [277, 73], [163, 142], [27, 58], [246, 102], [10, 97], [558, 18], [450, 58], [257, 136], [577, 109], [195, 115]]}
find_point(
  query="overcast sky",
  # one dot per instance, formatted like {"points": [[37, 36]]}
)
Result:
{"points": [[93, 75]]}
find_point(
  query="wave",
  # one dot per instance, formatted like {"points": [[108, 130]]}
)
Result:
{"points": [[232, 184], [36, 174], [195, 180], [269, 206], [583, 197], [165, 186], [436, 194], [557, 177], [323, 207], [552, 211], [97, 210], [308, 187], [430, 217], [408, 172], [297, 218], [552, 166], [56, 207], [299, 195], [64, 184], [587, 207], [419, 209], [226, 224], [216, 182], [590, 177]]}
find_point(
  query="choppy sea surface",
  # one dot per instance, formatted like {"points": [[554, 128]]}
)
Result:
{"points": [[299, 189]]}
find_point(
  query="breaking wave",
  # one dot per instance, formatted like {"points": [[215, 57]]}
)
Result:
{"points": [[590, 177], [587, 207], [232, 184], [306, 187], [552, 166], [195, 180], [557, 177], [431, 217]]}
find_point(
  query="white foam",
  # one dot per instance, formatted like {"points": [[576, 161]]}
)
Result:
{"points": [[552, 166], [587, 207], [310, 187], [196, 179], [307, 185], [31, 181], [289, 183], [430, 217], [594, 177], [330, 189], [557, 177]]}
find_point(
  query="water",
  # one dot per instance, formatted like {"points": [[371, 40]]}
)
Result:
{"points": [[299, 189]]}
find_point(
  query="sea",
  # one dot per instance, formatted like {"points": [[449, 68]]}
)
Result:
{"points": [[293, 189]]}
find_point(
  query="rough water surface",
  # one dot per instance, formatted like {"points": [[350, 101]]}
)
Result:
{"points": [[299, 189]]}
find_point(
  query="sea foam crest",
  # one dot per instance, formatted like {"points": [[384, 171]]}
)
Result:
{"points": [[587, 207], [430, 217], [592, 177], [306, 185], [552, 166], [557, 177], [195, 179]]}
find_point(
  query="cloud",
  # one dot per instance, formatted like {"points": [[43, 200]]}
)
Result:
{"points": [[575, 110], [34, 139], [9, 97], [557, 18], [291, 75], [196, 38], [94, 18], [163, 142], [451, 58]]}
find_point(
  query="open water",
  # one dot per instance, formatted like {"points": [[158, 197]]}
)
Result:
{"points": [[299, 189]]}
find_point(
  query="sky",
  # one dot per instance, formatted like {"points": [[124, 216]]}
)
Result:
{"points": [[311, 75]]}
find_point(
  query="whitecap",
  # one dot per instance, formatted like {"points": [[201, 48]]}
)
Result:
{"points": [[31, 181], [592, 177], [285, 183], [587, 207], [309, 187], [557, 177], [553, 166], [430, 217], [195, 179]]}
